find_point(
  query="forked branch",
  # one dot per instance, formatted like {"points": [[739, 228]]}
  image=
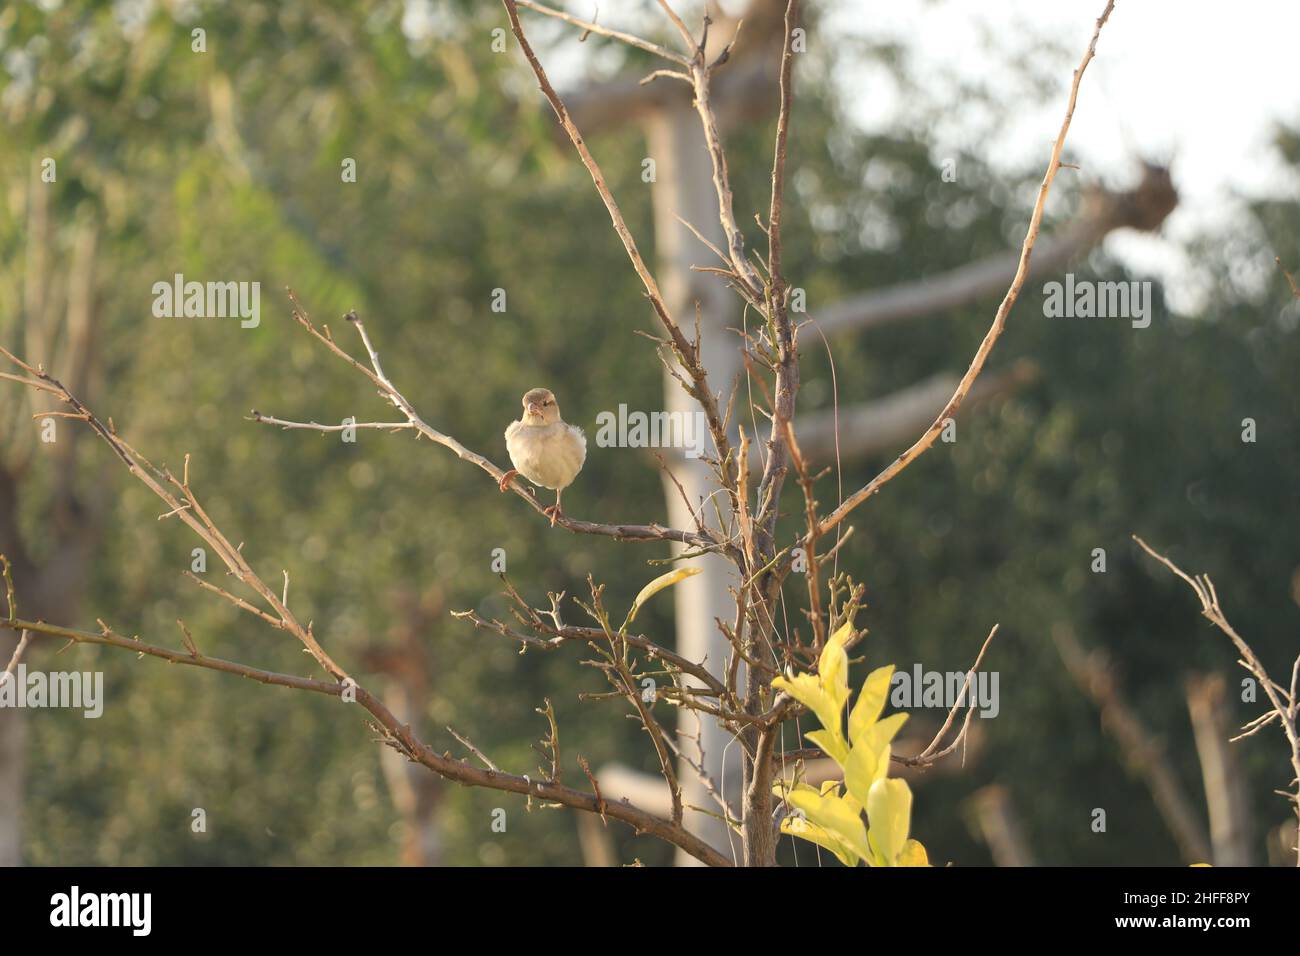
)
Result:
{"points": [[1284, 700], [926, 440], [395, 734]]}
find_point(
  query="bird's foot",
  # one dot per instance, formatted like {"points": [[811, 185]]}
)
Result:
{"points": [[508, 477], [554, 512]]}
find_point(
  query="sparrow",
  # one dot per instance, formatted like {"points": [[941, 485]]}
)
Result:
{"points": [[544, 448]]}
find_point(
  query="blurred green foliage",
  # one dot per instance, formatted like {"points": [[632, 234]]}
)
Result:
{"points": [[228, 164]]}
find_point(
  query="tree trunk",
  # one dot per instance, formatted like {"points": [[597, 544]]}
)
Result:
{"points": [[1225, 795], [13, 751], [684, 188]]}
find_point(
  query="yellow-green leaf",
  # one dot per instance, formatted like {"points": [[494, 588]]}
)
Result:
{"points": [[795, 825], [842, 634], [833, 670], [889, 815], [835, 682], [655, 586], [782, 787], [835, 746], [913, 855], [882, 731], [808, 690], [871, 701], [865, 765], [834, 815]]}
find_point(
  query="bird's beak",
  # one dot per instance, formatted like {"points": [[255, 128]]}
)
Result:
{"points": [[534, 408]]}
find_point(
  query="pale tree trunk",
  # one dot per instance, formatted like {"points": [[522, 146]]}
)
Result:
{"points": [[417, 795], [13, 769], [684, 188], [407, 665], [1225, 791], [1143, 751], [1000, 824], [57, 327]]}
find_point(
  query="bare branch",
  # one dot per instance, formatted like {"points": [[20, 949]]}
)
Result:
{"points": [[931, 754], [590, 26], [474, 750], [397, 735], [400, 737], [779, 152], [624, 532], [256, 416], [158, 481], [682, 28], [999, 321], [15, 659], [1284, 702]]}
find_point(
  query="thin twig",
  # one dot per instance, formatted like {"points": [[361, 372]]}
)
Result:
{"points": [[590, 26], [1284, 702], [1000, 318], [465, 742], [24, 639]]}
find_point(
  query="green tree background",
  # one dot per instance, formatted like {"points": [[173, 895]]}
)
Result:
{"points": [[228, 164]]}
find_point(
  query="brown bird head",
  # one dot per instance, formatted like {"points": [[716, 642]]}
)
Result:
{"points": [[540, 407]]}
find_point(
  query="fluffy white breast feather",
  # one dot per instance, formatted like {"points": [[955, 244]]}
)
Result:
{"points": [[547, 455]]}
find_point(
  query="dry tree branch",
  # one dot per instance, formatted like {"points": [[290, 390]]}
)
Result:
{"points": [[11, 601], [400, 737], [923, 443], [763, 567], [572, 633], [590, 26], [706, 781], [25, 638], [624, 532], [256, 416], [395, 734], [190, 511], [930, 755], [813, 573], [737, 257], [1285, 702], [618, 670], [465, 742], [784, 334], [107, 637], [686, 352], [658, 736], [682, 28], [761, 591], [779, 155], [40, 386]]}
